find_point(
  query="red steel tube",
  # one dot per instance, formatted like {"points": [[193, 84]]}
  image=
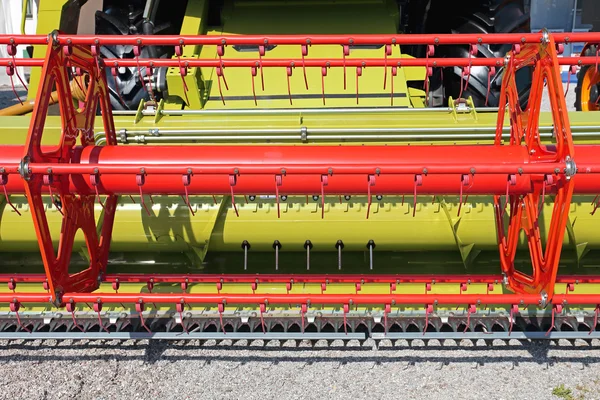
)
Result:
{"points": [[355, 299], [358, 39], [576, 299], [308, 62], [301, 168], [308, 278], [25, 298]]}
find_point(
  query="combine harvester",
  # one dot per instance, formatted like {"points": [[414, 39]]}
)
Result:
{"points": [[298, 186]]}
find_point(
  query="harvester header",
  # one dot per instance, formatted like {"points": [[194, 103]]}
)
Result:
{"points": [[362, 191]]}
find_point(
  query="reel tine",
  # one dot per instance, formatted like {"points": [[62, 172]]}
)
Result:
{"points": [[98, 307], [148, 72], [418, 182], [14, 307], [261, 53], [3, 182], [48, 180], [139, 307], [71, 309], [232, 182], [596, 311], [288, 75], [345, 52], [305, 53], [12, 51], [137, 50], [394, 73], [572, 70], [556, 308], [324, 182], [182, 69], [179, 308], [428, 310], [221, 308], [253, 72], [263, 309], [10, 71], [491, 71], [94, 181], [219, 75], [370, 182], [513, 310], [114, 72], [323, 75], [278, 182], [358, 73], [386, 53], [141, 179], [346, 310]]}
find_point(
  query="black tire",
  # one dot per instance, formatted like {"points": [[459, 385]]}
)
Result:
{"points": [[591, 51], [482, 17], [126, 18]]}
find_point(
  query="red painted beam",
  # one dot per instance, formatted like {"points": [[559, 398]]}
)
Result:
{"points": [[308, 62], [299, 278], [354, 299], [301, 168], [348, 39]]}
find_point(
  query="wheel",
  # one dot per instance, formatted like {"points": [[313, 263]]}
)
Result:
{"points": [[588, 86], [481, 17], [130, 86]]}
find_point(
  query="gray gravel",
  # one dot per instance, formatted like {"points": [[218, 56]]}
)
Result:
{"points": [[182, 370], [93, 370]]}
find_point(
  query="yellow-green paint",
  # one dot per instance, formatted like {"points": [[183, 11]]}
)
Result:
{"points": [[48, 19], [194, 23]]}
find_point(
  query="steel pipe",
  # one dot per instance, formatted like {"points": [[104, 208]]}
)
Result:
{"points": [[304, 278], [354, 299], [308, 62], [301, 168], [323, 39]]}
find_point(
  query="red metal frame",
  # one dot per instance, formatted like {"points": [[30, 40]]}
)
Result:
{"points": [[353, 39], [522, 171], [77, 209], [525, 209]]}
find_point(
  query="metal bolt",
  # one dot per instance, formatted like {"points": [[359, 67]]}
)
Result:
{"points": [[276, 246], [371, 246], [339, 245], [308, 246], [246, 247], [347, 197], [252, 197], [379, 197], [283, 197]]}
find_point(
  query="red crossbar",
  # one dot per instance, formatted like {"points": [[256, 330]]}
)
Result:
{"points": [[353, 39], [308, 62], [303, 278]]}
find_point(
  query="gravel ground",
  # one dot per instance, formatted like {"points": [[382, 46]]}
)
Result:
{"points": [[95, 370], [190, 370]]}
